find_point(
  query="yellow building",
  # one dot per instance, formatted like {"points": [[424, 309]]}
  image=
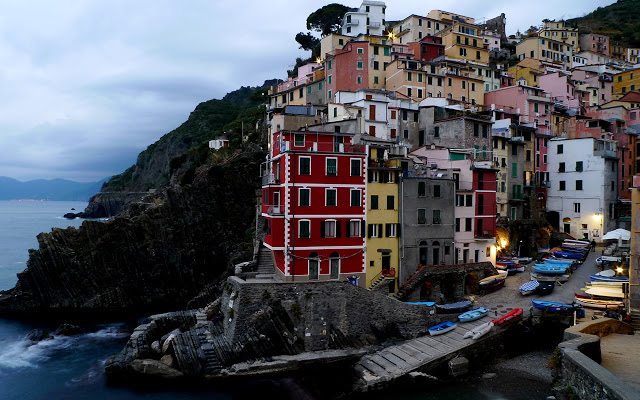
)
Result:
{"points": [[544, 49], [625, 82], [559, 31], [462, 41], [383, 217], [449, 17], [414, 27], [420, 80], [529, 69], [332, 42], [379, 56]]}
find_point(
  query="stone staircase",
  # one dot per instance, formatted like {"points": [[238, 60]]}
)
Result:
{"points": [[265, 263], [635, 320]]}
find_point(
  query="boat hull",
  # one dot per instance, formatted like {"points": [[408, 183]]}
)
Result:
{"points": [[442, 328], [473, 315], [592, 303]]}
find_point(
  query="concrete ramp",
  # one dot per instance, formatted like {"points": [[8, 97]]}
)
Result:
{"points": [[391, 363]]}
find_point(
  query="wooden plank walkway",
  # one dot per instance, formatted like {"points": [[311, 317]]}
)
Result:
{"points": [[395, 361]]}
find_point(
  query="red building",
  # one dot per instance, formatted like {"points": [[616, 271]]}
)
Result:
{"points": [[347, 69], [428, 48], [313, 202]]}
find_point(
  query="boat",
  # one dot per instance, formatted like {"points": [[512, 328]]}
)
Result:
{"points": [[566, 254], [582, 242], [511, 271], [599, 278], [511, 316], [606, 261], [545, 287], [504, 261], [552, 306], [598, 303], [549, 278], [604, 291], [543, 249], [607, 272], [520, 268], [557, 261], [492, 287], [492, 279], [529, 287], [473, 315], [549, 269], [479, 331], [460, 306], [423, 303], [442, 328]]}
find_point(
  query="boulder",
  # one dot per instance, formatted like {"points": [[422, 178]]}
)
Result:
{"points": [[155, 368], [39, 334], [167, 343], [155, 346], [167, 360], [68, 330]]}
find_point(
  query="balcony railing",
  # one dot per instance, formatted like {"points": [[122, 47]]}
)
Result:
{"points": [[273, 209], [323, 147]]}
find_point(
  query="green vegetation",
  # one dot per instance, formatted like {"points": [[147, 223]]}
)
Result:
{"points": [[620, 21], [327, 19], [184, 150]]}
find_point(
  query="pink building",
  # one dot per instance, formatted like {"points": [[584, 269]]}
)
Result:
{"points": [[595, 43], [600, 85], [562, 89]]}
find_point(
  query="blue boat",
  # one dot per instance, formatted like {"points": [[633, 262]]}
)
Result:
{"points": [[599, 278], [553, 306], [422, 303], [549, 269], [567, 254], [529, 287], [557, 261], [442, 328], [473, 314]]}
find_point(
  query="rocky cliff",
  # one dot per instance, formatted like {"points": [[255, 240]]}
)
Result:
{"points": [[158, 255]]}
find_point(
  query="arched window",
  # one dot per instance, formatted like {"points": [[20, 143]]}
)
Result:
{"points": [[314, 266], [422, 253], [334, 265]]}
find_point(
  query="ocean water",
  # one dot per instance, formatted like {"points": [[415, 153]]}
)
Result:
{"points": [[73, 367]]}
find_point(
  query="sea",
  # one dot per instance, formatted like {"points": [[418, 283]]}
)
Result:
{"points": [[72, 367]]}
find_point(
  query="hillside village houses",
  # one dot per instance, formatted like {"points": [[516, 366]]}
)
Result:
{"points": [[412, 144]]}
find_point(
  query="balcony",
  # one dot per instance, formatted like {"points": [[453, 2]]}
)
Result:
{"points": [[352, 22], [270, 179], [374, 24], [316, 147], [273, 209], [484, 235]]}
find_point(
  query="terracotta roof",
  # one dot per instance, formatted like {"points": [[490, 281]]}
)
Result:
{"points": [[633, 96]]}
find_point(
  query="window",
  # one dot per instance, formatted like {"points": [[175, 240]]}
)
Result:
{"points": [[331, 197], [329, 63], [374, 201], [390, 203], [360, 65], [375, 230], [469, 201], [514, 170], [328, 229], [562, 185], [436, 131], [359, 80], [332, 166], [354, 229], [476, 129], [528, 155], [391, 230], [420, 78], [304, 230], [467, 224], [576, 208], [436, 190], [404, 115], [561, 167], [485, 131], [376, 65], [305, 166], [457, 224], [560, 149], [436, 217], [329, 79], [409, 76], [449, 82], [304, 197], [544, 158], [422, 189], [355, 197], [376, 50], [464, 84], [298, 140], [360, 50], [355, 168], [613, 186], [578, 185], [422, 216], [578, 166]]}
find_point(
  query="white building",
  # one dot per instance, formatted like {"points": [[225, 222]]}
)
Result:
{"points": [[583, 175], [368, 20], [217, 144]]}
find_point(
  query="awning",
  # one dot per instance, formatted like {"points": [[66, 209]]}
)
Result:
{"points": [[617, 234]]}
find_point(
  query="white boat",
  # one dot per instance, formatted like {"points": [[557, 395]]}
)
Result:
{"points": [[607, 273], [529, 287], [490, 280], [605, 291], [549, 278], [595, 303], [479, 331]]}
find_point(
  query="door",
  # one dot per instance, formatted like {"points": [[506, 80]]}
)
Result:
{"points": [[423, 253], [334, 266], [276, 202], [386, 262], [567, 228], [313, 268], [465, 256]]}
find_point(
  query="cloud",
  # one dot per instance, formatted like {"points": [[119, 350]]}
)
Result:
{"points": [[88, 85]]}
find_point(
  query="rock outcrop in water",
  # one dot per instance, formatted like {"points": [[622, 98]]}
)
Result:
{"points": [[157, 256]]}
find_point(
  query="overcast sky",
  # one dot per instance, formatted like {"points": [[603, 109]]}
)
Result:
{"points": [[87, 85]]}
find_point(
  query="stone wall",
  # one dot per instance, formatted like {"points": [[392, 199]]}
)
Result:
{"points": [[580, 372], [319, 310]]}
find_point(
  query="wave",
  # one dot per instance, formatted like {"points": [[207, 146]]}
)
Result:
{"points": [[115, 331], [25, 353]]}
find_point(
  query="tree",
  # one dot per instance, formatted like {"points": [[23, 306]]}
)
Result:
{"points": [[532, 29], [307, 41], [327, 19]]}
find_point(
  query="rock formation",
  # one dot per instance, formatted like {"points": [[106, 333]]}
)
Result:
{"points": [[155, 257]]}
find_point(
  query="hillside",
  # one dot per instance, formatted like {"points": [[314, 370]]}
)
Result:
{"points": [[620, 21], [42, 189]]}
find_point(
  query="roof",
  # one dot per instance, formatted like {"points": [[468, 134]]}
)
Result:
{"points": [[633, 96]]}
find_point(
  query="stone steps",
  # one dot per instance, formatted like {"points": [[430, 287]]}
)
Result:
{"points": [[265, 261]]}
